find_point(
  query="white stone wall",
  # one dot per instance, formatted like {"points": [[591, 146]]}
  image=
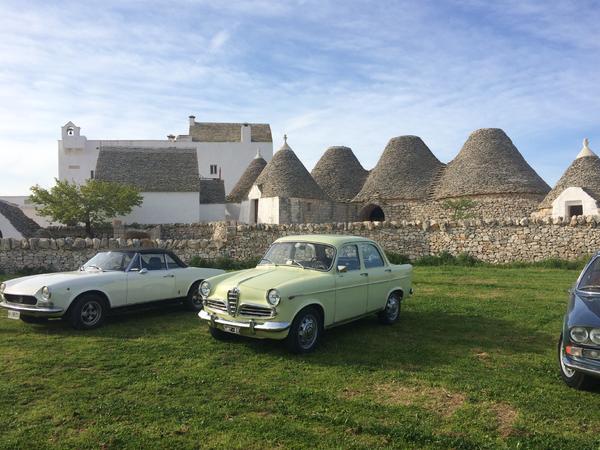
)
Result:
{"points": [[574, 196], [166, 207]]}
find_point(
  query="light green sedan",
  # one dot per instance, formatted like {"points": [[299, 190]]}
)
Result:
{"points": [[304, 285]]}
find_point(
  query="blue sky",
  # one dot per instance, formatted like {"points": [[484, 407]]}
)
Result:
{"points": [[352, 73]]}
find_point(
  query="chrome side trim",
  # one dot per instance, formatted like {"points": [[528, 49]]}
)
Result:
{"points": [[32, 310], [251, 325]]}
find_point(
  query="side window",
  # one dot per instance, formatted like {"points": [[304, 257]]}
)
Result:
{"points": [[591, 278], [371, 256], [171, 264], [349, 257], [153, 261]]}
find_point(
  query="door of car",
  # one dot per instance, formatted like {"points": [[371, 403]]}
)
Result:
{"points": [[148, 279], [379, 275], [351, 285]]}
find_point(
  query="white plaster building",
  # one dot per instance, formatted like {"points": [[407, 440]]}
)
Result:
{"points": [[209, 151], [577, 193]]}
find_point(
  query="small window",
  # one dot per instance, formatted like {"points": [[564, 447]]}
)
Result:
{"points": [[371, 256], [213, 169], [74, 167], [92, 174], [308, 207], [171, 263], [153, 261], [575, 210], [70, 132], [349, 257]]}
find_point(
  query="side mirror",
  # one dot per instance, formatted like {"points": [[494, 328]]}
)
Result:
{"points": [[342, 269], [143, 271]]}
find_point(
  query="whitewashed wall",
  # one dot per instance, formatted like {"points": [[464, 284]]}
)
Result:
{"points": [[574, 196], [166, 207]]}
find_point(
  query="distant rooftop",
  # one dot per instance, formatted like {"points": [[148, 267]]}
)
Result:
{"points": [[228, 132]]}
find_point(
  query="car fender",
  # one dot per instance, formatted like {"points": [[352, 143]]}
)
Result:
{"points": [[310, 302]]}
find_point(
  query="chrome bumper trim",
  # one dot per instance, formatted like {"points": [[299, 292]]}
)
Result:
{"points": [[32, 310], [252, 325], [576, 365]]}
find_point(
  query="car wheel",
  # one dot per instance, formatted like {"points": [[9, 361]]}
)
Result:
{"points": [[220, 335], [571, 377], [391, 313], [305, 331], [32, 319], [88, 312], [193, 301]]}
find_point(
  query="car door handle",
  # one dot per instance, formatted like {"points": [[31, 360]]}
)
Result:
{"points": [[388, 270], [169, 276], [364, 274]]}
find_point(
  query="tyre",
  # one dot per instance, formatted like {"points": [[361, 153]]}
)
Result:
{"points": [[32, 319], [193, 301], [88, 312], [220, 335], [571, 377], [391, 313], [305, 331]]}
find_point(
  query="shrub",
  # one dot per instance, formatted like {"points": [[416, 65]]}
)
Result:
{"points": [[397, 258], [137, 234], [223, 263]]}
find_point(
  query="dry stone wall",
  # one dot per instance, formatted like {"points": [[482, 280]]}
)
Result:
{"points": [[494, 241]]}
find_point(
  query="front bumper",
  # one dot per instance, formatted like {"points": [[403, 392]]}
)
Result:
{"points": [[34, 311], [252, 326], [585, 365]]}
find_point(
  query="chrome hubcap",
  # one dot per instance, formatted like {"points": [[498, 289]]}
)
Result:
{"points": [[197, 299], [566, 370], [91, 312], [392, 307], [307, 331]]}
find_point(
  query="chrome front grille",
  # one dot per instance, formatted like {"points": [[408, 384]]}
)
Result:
{"points": [[219, 305], [22, 299], [255, 311], [233, 299]]}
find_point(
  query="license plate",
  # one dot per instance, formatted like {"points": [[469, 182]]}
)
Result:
{"points": [[16, 315], [234, 330]]}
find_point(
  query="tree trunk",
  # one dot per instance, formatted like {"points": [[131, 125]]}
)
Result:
{"points": [[88, 228]]}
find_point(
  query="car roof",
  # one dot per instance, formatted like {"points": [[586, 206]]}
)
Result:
{"points": [[331, 239]]}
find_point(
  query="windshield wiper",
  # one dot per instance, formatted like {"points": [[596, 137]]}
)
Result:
{"points": [[589, 286]]}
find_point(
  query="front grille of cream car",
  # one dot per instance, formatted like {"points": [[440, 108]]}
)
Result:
{"points": [[255, 311], [22, 299], [219, 305], [233, 299]]}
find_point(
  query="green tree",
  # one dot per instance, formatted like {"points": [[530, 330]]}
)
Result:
{"points": [[460, 208], [92, 204]]}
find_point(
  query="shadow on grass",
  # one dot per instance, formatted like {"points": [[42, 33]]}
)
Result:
{"points": [[418, 340]]}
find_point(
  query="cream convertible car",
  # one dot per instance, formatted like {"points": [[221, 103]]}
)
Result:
{"points": [[305, 284], [109, 280]]}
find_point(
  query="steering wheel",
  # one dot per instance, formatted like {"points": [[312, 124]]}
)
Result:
{"points": [[317, 263]]}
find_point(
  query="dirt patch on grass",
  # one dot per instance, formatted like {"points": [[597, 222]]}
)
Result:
{"points": [[506, 416], [438, 400]]}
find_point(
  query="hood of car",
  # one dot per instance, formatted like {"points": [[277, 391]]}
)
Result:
{"points": [[585, 310], [257, 281], [32, 284]]}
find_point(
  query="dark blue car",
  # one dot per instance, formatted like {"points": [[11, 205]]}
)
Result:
{"points": [[579, 343]]}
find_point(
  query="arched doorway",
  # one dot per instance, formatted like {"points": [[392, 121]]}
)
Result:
{"points": [[372, 213]]}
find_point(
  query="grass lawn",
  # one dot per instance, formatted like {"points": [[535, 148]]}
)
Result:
{"points": [[471, 364]]}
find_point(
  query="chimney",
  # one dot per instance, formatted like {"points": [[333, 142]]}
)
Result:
{"points": [[246, 133], [171, 137], [192, 120]]}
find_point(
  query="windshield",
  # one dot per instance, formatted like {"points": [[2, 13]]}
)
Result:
{"points": [[109, 261], [305, 255], [590, 281]]}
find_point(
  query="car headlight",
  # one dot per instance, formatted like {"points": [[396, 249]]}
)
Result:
{"points": [[273, 297], [46, 294], [595, 336], [205, 289], [579, 334], [2, 287]]}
